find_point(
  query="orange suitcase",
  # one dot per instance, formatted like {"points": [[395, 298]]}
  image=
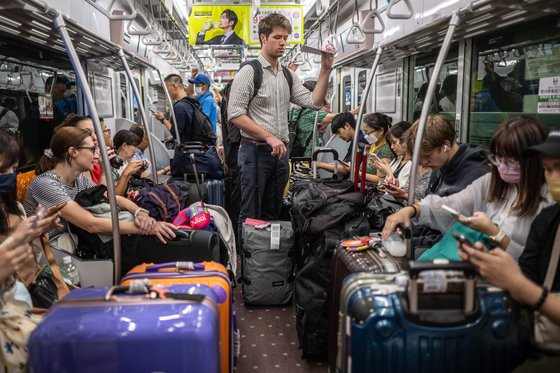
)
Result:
{"points": [[211, 274]]}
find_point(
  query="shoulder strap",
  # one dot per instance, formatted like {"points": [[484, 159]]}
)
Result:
{"points": [[164, 208], [257, 76], [61, 286], [288, 75], [4, 112], [173, 195], [553, 263]]}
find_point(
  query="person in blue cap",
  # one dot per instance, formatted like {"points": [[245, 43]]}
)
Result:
{"points": [[64, 100], [202, 85]]}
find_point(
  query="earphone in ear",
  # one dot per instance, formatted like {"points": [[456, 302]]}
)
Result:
{"points": [[445, 147]]}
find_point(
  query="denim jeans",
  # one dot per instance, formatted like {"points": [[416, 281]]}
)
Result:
{"points": [[263, 179]]}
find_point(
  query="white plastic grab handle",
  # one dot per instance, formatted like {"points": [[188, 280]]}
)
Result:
{"points": [[333, 41], [116, 17], [145, 31], [355, 34], [255, 8], [372, 16], [157, 41], [321, 6], [407, 15]]}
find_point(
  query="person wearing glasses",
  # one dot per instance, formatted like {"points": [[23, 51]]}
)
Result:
{"points": [[502, 203]]}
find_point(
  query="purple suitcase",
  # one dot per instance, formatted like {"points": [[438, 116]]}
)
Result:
{"points": [[102, 330]]}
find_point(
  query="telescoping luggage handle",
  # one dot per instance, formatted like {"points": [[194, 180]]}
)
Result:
{"points": [[180, 266], [316, 155], [415, 268], [143, 287]]}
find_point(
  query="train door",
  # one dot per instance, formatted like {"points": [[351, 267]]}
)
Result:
{"points": [[346, 90]]}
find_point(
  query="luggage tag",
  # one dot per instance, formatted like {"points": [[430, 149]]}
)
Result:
{"points": [[275, 237]]}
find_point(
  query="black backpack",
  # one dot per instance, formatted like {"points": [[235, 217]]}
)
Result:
{"points": [[201, 126]]}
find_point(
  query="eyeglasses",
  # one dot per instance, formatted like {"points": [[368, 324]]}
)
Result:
{"points": [[92, 149], [368, 133], [497, 161]]}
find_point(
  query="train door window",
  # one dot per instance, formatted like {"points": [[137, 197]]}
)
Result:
{"points": [[515, 73], [362, 78], [123, 95], [444, 100], [347, 93]]}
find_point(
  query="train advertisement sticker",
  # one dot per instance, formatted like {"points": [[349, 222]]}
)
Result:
{"points": [[294, 13], [46, 110], [219, 25], [549, 95]]}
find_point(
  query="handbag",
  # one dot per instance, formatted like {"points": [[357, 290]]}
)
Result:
{"points": [[547, 333], [48, 286]]}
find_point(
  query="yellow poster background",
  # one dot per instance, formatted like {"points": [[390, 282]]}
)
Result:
{"points": [[203, 13]]}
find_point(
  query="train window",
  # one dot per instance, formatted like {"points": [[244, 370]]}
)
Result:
{"points": [[362, 80], [446, 91], [347, 94], [515, 73]]}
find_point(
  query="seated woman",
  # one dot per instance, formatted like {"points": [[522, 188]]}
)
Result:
{"points": [[375, 128], [125, 143], [501, 204], [398, 171], [140, 154], [61, 177]]}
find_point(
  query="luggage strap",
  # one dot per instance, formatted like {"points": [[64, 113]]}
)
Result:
{"points": [[165, 212]]}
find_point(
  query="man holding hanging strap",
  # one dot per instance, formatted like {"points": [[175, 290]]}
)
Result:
{"points": [[262, 117]]}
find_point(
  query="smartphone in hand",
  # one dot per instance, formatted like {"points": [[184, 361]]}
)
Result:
{"points": [[453, 212], [462, 239], [152, 111]]}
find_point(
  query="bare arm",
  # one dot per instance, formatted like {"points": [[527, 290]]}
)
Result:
{"points": [[77, 215], [322, 85], [249, 126]]}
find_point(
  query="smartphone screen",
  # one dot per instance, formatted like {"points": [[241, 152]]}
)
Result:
{"points": [[452, 211], [152, 110]]}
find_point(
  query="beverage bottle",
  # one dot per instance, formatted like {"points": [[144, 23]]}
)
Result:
{"points": [[71, 270]]}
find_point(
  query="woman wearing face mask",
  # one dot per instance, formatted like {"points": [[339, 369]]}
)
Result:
{"points": [[502, 203], [375, 129]]}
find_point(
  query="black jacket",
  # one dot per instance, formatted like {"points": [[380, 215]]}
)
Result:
{"points": [[536, 255], [233, 39]]}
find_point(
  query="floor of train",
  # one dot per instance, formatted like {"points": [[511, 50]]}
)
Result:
{"points": [[269, 341]]}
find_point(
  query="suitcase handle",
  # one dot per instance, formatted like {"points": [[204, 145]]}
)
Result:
{"points": [[415, 268], [315, 157], [180, 266], [159, 293]]}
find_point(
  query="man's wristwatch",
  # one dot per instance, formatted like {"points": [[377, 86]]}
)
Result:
{"points": [[498, 238]]}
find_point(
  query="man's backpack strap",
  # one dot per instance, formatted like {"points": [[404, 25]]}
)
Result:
{"points": [[288, 76], [258, 75]]}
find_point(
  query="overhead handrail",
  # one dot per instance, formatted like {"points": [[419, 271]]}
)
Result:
{"points": [[157, 41], [165, 50], [116, 17], [317, 58], [372, 16], [321, 6], [332, 39], [453, 23], [145, 31], [170, 101], [189, 7], [365, 93], [255, 7], [141, 110], [405, 15], [355, 33], [82, 80]]}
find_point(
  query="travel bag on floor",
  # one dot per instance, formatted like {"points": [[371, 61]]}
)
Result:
{"points": [[106, 330]]}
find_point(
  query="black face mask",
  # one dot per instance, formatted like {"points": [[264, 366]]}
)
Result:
{"points": [[7, 182]]}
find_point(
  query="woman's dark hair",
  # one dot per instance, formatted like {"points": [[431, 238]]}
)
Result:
{"points": [[125, 137], [138, 130], [71, 120], [340, 120], [9, 151], [397, 131], [509, 140], [62, 140], [378, 121]]}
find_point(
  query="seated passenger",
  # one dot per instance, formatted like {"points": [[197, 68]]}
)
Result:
{"points": [[125, 143], [449, 89], [375, 129], [501, 204], [398, 171], [61, 177], [344, 126], [140, 154]]}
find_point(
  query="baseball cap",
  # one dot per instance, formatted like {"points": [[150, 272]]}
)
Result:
{"points": [[201, 78], [550, 147]]}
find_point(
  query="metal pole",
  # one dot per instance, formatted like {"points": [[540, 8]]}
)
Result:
{"points": [[173, 119], [314, 135], [453, 23], [365, 94], [141, 110], [60, 25]]}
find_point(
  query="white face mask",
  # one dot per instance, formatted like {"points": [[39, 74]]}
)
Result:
{"points": [[199, 91], [371, 139]]}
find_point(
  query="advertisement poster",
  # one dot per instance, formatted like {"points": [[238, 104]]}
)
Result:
{"points": [[549, 95], [294, 13], [46, 110], [233, 25], [219, 25]]}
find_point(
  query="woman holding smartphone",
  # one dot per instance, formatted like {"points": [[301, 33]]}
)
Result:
{"points": [[502, 203]]}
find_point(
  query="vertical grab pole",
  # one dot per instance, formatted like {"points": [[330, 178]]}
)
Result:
{"points": [[365, 94], [453, 23], [173, 119], [136, 92], [60, 25]]}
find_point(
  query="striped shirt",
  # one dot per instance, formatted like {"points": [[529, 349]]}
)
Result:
{"points": [[271, 105], [47, 190]]}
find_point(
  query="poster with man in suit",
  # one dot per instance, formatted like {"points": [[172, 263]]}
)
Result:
{"points": [[222, 32]]}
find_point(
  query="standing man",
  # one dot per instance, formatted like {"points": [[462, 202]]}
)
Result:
{"points": [[205, 98], [227, 23], [181, 109], [263, 119]]}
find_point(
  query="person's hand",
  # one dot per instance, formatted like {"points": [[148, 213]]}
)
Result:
{"points": [[496, 266], [13, 258], [145, 223], [391, 180], [397, 193], [208, 25], [355, 111], [479, 221], [168, 139], [292, 66], [322, 127], [164, 231], [133, 168], [278, 147], [159, 115], [327, 59], [110, 152], [383, 165], [402, 216]]}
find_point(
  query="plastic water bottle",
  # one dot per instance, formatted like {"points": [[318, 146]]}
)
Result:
{"points": [[395, 245], [71, 270]]}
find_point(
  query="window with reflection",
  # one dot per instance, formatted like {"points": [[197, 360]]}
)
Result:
{"points": [[445, 95], [347, 94], [362, 77], [516, 72]]}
